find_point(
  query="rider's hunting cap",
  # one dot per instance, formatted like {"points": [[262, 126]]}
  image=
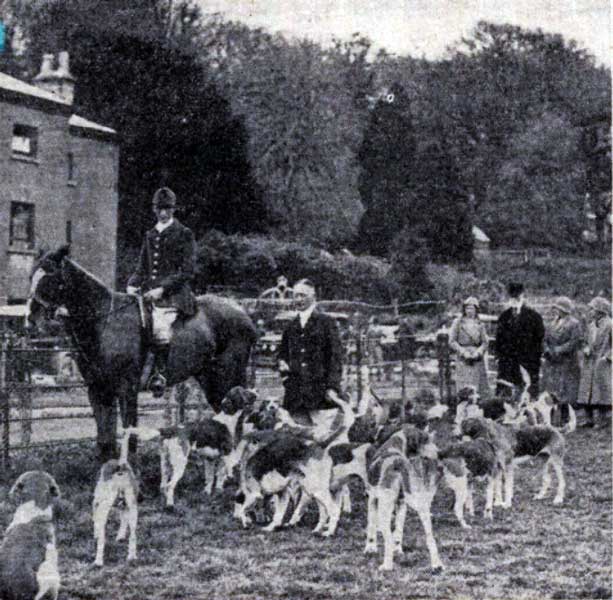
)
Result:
{"points": [[164, 198]]}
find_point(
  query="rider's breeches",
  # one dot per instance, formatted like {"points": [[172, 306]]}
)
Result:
{"points": [[162, 319]]}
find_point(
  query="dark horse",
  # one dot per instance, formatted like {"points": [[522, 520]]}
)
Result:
{"points": [[106, 328]]}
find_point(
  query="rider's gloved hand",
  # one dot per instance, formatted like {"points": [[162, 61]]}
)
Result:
{"points": [[132, 290], [154, 294]]}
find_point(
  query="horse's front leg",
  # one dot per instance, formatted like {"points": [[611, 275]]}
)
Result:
{"points": [[105, 413]]}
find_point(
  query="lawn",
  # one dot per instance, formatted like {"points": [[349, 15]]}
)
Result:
{"points": [[534, 550], [580, 278]]}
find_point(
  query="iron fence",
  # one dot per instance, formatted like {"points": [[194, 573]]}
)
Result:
{"points": [[44, 403]]}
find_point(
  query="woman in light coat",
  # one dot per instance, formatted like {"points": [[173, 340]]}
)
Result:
{"points": [[563, 341], [595, 386], [468, 339]]}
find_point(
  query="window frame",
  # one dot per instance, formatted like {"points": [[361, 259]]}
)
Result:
{"points": [[29, 132], [22, 243]]}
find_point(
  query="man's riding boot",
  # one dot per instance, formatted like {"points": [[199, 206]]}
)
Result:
{"points": [[157, 383]]}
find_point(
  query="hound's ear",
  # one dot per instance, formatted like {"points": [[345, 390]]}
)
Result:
{"points": [[63, 252], [17, 486], [546, 398]]}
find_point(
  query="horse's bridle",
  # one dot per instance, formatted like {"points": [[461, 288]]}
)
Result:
{"points": [[48, 306]]}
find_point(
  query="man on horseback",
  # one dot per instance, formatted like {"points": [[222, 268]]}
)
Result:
{"points": [[164, 275]]}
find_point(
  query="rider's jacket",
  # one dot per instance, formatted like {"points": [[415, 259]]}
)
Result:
{"points": [[167, 261]]}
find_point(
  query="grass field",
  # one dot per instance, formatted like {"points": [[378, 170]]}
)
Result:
{"points": [[535, 550], [581, 278]]}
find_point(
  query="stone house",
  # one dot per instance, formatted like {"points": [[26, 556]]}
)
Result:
{"points": [[59, 174]]}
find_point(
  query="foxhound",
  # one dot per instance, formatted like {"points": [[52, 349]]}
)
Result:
{"points": [[28, 554], [117, 481]]}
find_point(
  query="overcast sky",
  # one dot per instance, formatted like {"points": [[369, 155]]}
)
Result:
{"points": [[422, 27]]}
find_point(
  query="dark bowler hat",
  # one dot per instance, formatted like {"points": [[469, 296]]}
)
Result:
{"points": [[515, 289], [164, 198]]}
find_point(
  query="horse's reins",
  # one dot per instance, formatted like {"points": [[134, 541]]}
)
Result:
{"points": [[86, 316]]}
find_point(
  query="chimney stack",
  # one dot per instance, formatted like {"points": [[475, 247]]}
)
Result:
{"points": [[59, 81]]}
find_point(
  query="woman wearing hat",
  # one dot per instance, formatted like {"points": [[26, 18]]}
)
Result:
{"points": [[468, 338], [563, 340], [595, 386]]}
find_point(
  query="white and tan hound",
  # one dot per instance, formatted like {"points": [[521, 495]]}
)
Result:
{"points": [[28, 554], [218, 438], [117, 482], [407, 462]]}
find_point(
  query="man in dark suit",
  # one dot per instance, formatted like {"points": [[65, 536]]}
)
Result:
{"points": [[519, 342], [164, 274], [310, 361]]}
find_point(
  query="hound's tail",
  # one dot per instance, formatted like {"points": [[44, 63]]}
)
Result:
{"points": [[572, 421], [144, 433]]}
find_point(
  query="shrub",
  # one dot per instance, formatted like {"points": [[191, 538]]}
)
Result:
{"points": [[453, 286], [408, 276], [252, 264]]}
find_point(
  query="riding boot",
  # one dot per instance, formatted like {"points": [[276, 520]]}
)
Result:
{"points": [[157, 383]]}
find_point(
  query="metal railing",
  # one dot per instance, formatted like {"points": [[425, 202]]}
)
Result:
{"points": [[396, 369]]}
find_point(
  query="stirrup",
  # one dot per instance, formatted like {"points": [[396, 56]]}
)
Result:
{"points": [[157, 384]]}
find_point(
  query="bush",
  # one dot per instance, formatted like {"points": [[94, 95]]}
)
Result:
{"points": [[252, 264], [453, 286], [408, 275]]}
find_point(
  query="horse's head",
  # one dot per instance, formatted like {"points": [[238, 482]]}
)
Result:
{"points": [[47, 288]]}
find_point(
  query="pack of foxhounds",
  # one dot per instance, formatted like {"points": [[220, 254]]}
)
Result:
{"points": [[402, 463]]}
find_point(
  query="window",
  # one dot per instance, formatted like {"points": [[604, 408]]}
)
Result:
{"points": [[69, 232], [25, 140], [71, 173], [21, 230]]}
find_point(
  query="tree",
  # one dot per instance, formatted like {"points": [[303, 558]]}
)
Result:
{"points": [[298, 102], [386, 159], [409, 257], [137, 71], [502, 87], [441, 211], [542, 177]]}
